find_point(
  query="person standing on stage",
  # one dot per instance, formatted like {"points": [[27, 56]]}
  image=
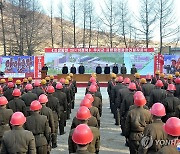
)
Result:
{"points": [[65, 69], [133, 69], [81, 69], [107, 69], [98, 69], [123, 69], [44, 68], [73, 69], [115, 69]]}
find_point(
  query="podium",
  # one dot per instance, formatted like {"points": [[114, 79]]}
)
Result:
{"points": [[43, 74]]}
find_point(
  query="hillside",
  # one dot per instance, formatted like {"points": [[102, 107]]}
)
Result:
{"points": [[36, 33]]}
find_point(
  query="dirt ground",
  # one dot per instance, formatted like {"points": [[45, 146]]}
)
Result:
{"points": [[111, 140]]}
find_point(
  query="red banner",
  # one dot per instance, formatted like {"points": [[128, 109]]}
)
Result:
{"points": [[38, 64], [158, 63], [54, 50]]}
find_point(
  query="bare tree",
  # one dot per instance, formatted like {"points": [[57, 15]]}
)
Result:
{"points": [[147, 20], [73, 8], [110, 18], [52, 37], [3, 28], [124, 20], [166, 19], [61, 22]]}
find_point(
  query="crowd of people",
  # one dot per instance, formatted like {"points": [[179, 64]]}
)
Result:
{"points": [[34, 112], [148, 111]]}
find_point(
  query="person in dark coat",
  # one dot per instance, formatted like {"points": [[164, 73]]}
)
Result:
{"points": [[28, 97], [154, 130], [123, 69], [83, 114], [37, 90], [45, 68], [73, 69], [156, 77], [136, 121], [9, 91], [106, 69], [65, 69], [170, 103], [125, 105], [80, 146], [53, 104], [147, 88], [63, 106], [115, 69], [157, 94], [111, 84], [18, 140], [133, 69], [115, 92], [5, 117], [98, 69], [17, 104], [49, 114], [39, 126], [81, 69]]}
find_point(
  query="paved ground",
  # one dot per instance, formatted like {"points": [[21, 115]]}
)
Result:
{"points": [[111, 140]]}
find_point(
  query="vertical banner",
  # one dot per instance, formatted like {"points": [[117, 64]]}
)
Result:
{"points": [[38, 64], [158, 62]]}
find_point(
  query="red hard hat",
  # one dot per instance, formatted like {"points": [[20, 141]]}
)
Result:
{"points": [[3, 100], [177, 80], [17, 119], [90, 97], [29, 87], [36, 83], [148, 77], [82, 135], [92, 79], [86, 102], [50, 89], [59, 86], [16, 92], [43, 99], [158, 109], [35, 105], [126, 81], [62, 80], [159, 83], [139, 99], [172, 126], [132, 86], [171, 87], [83, 113], [93, 89], [10, 85], [120, 79]]}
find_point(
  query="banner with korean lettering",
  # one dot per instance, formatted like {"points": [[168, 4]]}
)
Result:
{"points": [[17, 66], [38, 64], [90, 57], [158, 62], [54, 50]]}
